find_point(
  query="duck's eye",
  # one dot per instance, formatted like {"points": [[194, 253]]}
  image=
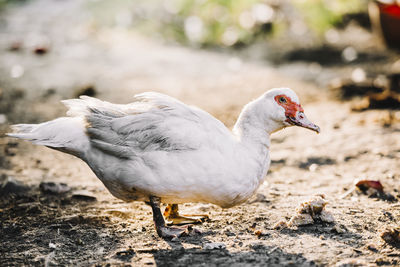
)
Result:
{"points": [[282, 100]]}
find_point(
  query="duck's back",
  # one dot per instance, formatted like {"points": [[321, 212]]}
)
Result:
{"points": [[154, 122]]}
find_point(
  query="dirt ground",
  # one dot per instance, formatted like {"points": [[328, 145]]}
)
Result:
{"points": [[87, 226]]}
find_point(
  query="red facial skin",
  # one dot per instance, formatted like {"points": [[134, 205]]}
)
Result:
{"points": [[291, 107]]}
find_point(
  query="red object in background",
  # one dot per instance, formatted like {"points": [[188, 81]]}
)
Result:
{"points": [[392, 9], [386, 20], [364, 185]]}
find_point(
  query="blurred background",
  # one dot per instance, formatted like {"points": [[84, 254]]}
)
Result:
{"points": [[340, 56], [198, 48]]}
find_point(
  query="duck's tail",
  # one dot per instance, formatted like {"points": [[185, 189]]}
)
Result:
{"points": [[67, 134]]}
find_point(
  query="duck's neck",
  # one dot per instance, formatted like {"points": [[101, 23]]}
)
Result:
{"points": [[253, 129], [254, 125]]}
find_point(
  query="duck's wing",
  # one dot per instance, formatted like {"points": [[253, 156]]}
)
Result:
{"points": [[152, 122]]}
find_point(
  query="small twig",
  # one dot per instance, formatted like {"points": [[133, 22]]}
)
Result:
{"points": [[347, 193]]}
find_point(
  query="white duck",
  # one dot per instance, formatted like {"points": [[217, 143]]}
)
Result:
{"points": [[160, 150]]}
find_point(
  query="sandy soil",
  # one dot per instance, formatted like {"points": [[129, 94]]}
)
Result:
{"points": [[87, 226]]}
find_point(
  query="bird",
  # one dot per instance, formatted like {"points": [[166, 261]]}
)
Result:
{"points": [[159, 150]]}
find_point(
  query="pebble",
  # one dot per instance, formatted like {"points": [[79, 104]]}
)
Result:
{"points": [[352, 262], [83, 195], [8, 185], [338, 229], [301, 219], [54, 188], [215, 245], [391, 236], [372, 247], [280, 225], [3, 118]]}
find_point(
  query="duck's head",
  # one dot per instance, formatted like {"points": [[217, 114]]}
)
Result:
{"points": [[286, 109]]}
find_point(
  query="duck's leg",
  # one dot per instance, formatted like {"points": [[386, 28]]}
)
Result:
{"points": [[172, 215], [164, 231]]}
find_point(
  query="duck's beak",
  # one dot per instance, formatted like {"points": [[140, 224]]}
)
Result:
{"points": [[302, 121]]}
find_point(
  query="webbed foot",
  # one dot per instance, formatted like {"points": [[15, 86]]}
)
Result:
{"points": [[168, 232], [173, 217]]}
